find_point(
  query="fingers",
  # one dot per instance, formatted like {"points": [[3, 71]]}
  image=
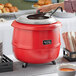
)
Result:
{"points": [[43, 9], [40, 9]]}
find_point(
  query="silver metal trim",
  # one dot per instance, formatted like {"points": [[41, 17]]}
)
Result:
{"points": [[23, 19]]}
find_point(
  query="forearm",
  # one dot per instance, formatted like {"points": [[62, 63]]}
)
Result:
{"points": [[57, 5]]}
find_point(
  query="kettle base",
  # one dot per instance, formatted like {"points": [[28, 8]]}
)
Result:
{"points": [[24, 65]]}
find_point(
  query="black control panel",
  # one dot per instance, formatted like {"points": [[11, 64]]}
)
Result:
{"points": [[46, 42]]}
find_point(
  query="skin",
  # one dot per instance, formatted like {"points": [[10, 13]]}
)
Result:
{"points": [[47, 8]]}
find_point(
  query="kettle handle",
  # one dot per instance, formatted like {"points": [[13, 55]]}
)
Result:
{"points": [[56, 10]]}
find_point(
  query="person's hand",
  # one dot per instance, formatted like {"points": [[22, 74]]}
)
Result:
{"points": [[46, 8]]}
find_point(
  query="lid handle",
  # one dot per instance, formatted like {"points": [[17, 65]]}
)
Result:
{"points": [[56, 10], [41, 13]]}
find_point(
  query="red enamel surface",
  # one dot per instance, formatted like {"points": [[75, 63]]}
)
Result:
{"points": [[28, 42]]}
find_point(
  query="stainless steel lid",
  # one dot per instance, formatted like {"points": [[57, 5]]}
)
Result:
{"points": [[31, 19], [41, 18]]}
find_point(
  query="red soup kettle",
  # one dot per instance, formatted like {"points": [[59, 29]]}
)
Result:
{"points": [[36, 39]]}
